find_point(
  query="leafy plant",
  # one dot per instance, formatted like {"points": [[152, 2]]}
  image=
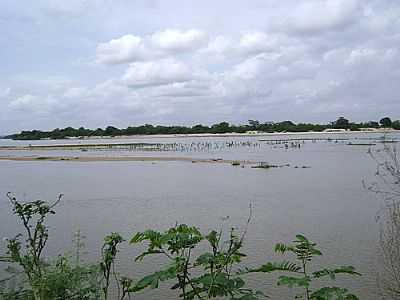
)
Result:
{"points": [[63, 280], [45, 280], [199, 266], [300, 274], [28, 254], [107, 265], [205, 276]]}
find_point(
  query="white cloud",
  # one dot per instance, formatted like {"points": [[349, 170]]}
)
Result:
{"points": [[336, 55], [219, 45], [255, 66], [33, 103], [131, 48], [110, 89], [76, 92], [178, 40], [361, 55], [257, 42], [188, 89], [125, 49], [248, 69], [234, 49], [23, 102], [153, 73]]}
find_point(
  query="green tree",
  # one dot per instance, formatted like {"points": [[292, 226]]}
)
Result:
{"points": [[112, 131], [385, 122], [200, 129], [222, 127], [396, 125], [254, 124], [341, 123]]}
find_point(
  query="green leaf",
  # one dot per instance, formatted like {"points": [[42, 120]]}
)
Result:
{"points": [[281, 266], [294, 281], [332, 272], [153, 280], [332, 293], [302, 238], [205, 259], [238, 282], [144, 254], [281, 248], [149, 235], [212, 238]]}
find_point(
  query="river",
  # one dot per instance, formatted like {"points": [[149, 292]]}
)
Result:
{"points": [[324, 200]]}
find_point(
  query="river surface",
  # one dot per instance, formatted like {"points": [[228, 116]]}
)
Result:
{"points": [[325, 201]]}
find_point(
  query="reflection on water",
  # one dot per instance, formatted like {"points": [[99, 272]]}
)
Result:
{"points": [[325, 202]]}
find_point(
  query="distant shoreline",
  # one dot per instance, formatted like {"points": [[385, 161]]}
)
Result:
{"points": [[202, 135]]}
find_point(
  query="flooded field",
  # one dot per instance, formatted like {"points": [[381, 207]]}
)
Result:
{"points": [[318, 191]]}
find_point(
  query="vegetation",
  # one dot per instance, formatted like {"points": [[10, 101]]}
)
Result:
{"points": [[386, 122], [387, 187], [223, 127], [42, 279], [198, 265], [389, 280], [206, 276], [302, 277]]}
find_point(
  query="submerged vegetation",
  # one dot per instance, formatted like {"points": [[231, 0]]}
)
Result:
{"points": [[197, 265], [223, 127]]}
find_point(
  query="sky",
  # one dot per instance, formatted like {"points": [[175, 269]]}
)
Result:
{"points": [[96, 63]]}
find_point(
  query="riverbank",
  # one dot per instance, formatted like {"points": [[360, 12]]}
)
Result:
{"points": [[232, 134]]}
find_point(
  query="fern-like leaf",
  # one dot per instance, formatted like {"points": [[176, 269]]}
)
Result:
{"points": [[277, 266]]}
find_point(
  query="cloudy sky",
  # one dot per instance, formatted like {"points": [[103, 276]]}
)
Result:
{"points": [[95, 63]]}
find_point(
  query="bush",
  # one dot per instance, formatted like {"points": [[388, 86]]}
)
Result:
{"points": [[215, 273]]}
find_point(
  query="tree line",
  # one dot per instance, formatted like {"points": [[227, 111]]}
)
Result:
{"points": [[223, 127]]}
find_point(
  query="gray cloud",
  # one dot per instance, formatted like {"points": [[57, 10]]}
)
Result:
{"points": [[95, 63], [313, 17]]}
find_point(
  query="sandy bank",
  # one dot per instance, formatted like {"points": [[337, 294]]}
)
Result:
{"points": [[119, 158], [235, 134]]}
